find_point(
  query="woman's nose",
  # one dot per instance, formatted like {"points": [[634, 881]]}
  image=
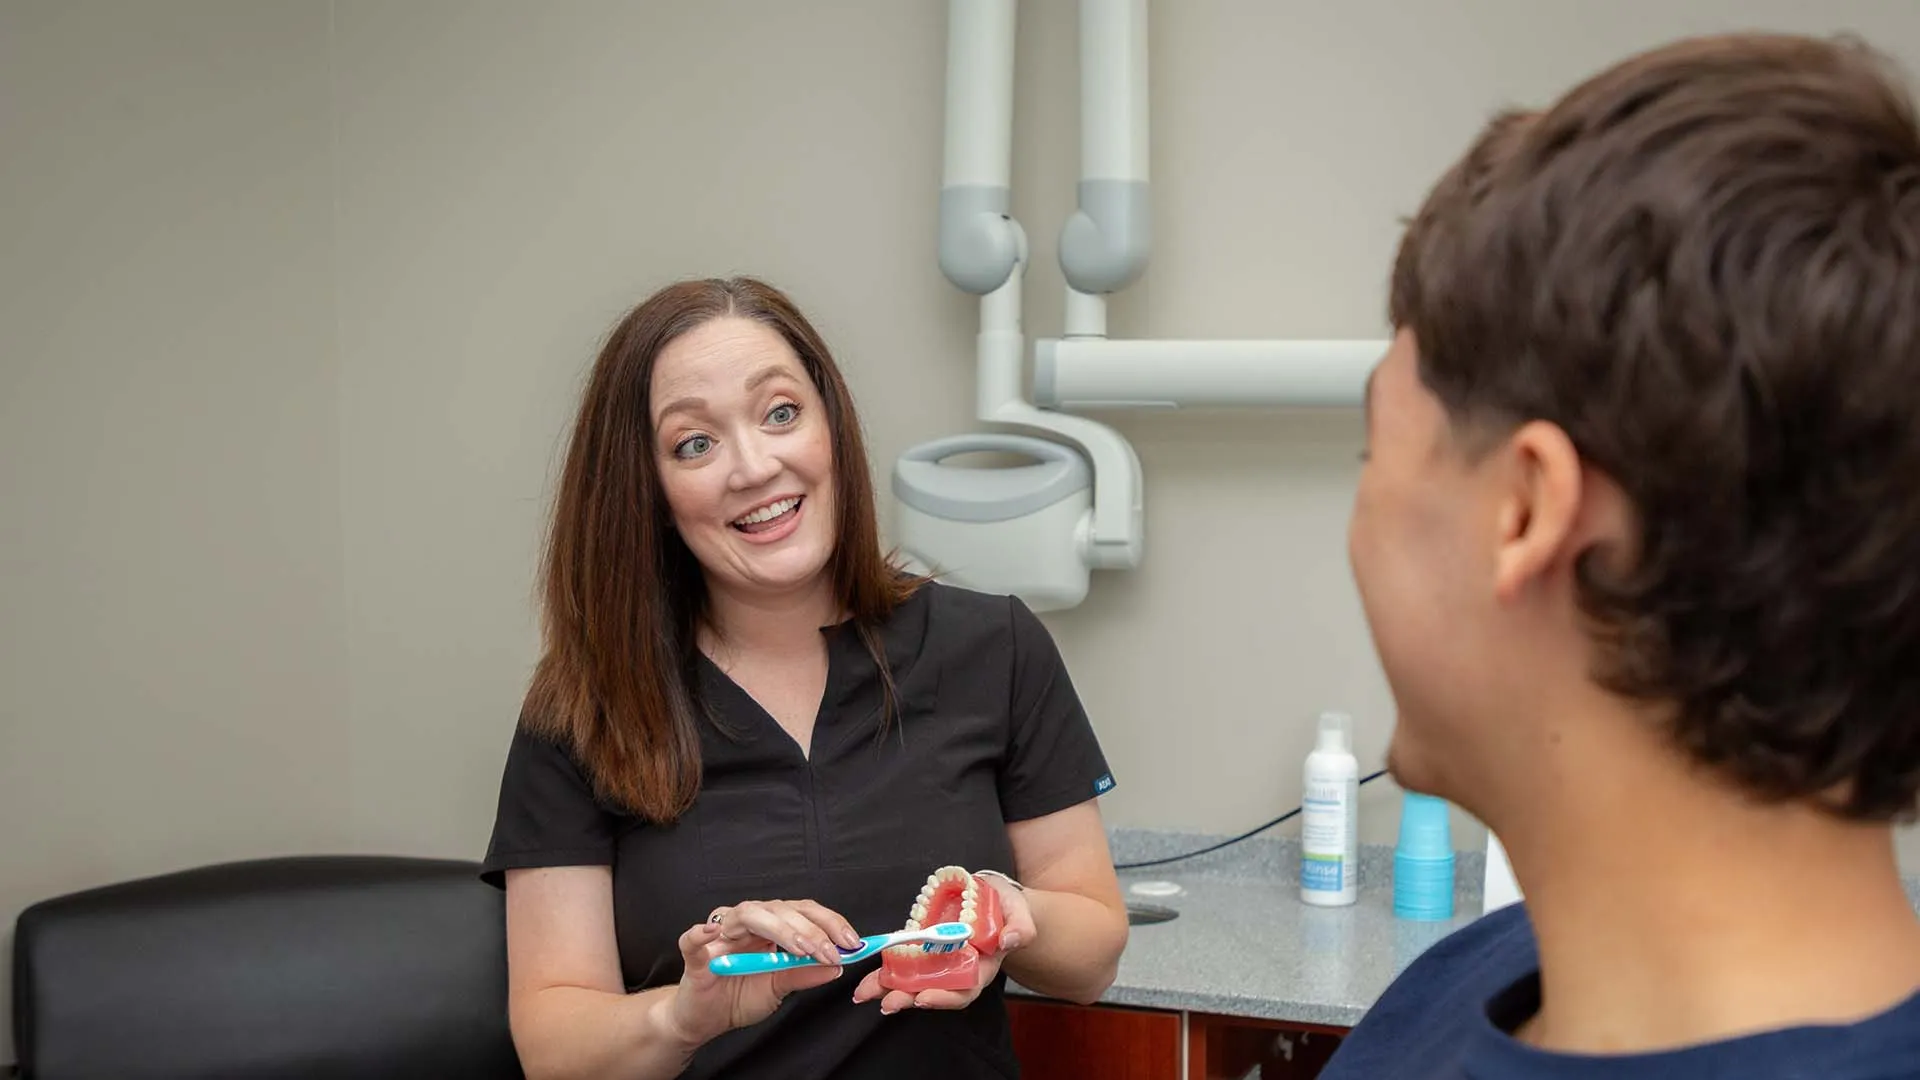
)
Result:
{"points": [[754, 464]]}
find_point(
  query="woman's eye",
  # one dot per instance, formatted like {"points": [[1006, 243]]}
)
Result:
{"points": [[784, 414], [692, 446]]}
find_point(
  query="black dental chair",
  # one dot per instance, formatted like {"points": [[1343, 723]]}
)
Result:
{"points": [[308, 968]]}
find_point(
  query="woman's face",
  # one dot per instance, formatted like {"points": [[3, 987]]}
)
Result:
{"points": [[745, 457]]}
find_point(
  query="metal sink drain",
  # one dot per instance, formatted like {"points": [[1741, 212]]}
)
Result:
{"points": [[1147, 914]]}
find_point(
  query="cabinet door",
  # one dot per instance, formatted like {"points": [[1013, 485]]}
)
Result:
{"points": [[1057, 1041], [1233, 1048]]}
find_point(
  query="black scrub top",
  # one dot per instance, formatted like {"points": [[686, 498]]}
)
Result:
{"points": [[988, 731]]}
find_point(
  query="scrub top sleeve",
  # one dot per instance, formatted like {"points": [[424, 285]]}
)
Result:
{"points": [[547, 815], [1053, 760]]}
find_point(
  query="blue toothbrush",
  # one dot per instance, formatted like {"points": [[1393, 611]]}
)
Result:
{"points": [[940, 937]]}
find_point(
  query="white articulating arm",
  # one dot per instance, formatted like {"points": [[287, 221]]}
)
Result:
{"points": [[1104, 246], [983, 250], [1076, 373], [1116, 540], [979, 240]]}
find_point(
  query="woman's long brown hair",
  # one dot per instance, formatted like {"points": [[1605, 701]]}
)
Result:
{"points": [[622, 596]]}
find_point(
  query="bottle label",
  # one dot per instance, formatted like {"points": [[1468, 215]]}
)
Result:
{"points": [[1327, 834], [1322, 873]]}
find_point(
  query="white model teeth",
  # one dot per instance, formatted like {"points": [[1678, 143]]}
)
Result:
{"points": [[769, 511], [946, 876]]}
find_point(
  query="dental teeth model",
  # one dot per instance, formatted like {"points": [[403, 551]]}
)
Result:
{"points": [[951, 894]]}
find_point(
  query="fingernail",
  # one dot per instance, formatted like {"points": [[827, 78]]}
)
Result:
{"points": [[1010, 940]]}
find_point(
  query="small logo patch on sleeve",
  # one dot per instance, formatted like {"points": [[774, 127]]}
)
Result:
{"points": [[1103, 785]]}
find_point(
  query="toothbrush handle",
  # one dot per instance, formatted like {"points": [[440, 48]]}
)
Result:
{"points": [[756, 963], [759, 963]]}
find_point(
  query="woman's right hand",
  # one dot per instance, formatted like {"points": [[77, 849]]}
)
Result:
{"points": [[705, 1005]]}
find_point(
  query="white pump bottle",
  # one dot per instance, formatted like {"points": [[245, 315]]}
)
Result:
{"points": [[1330, 823]]}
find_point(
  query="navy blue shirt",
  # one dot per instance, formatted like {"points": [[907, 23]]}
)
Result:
{"points": [[1450, 1014]]}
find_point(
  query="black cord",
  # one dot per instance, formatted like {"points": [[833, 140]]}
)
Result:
{"points": [[1249, 834]]}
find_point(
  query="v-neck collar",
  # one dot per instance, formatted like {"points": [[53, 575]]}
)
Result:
{"points": [[763, 718], [901, 637]]}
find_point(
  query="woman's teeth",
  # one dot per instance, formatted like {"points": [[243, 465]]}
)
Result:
{"points": [[768, 513]]}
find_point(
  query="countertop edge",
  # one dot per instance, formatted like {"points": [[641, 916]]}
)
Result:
{"points": [[1237, 1006]]}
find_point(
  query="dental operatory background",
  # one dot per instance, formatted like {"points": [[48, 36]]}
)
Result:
{"points": [[295, 297]]}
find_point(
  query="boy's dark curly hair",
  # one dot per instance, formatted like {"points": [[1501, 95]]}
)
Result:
{"points": [[1704, 265]]}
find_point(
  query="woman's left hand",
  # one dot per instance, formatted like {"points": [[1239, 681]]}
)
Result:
{"points": [[1017, 932]]}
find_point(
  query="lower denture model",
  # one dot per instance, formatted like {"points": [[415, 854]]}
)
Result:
{"points": [[951, 894]]}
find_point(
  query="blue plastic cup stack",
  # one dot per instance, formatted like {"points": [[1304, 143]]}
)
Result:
{"points": [[1423, 860]]}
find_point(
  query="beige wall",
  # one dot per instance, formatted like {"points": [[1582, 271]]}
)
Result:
{"points": [[295, 297], [172, 646]]}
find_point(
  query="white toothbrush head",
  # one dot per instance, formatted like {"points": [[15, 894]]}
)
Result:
{"points": [[946, 936]]}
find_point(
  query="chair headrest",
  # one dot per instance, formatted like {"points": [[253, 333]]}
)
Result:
{"points": [[317, 966]]}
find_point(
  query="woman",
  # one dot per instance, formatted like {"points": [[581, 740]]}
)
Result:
{"points": [[748, 731]]}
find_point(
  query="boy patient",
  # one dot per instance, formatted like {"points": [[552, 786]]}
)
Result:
{"points": [[1638, 539]]}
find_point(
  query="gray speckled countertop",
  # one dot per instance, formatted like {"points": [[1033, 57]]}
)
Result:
{"points": [[1243, 943]]}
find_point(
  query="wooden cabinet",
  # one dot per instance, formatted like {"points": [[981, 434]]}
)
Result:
{"points": [[1058, 1041], [1234, 1048], [1069, 1042]]}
